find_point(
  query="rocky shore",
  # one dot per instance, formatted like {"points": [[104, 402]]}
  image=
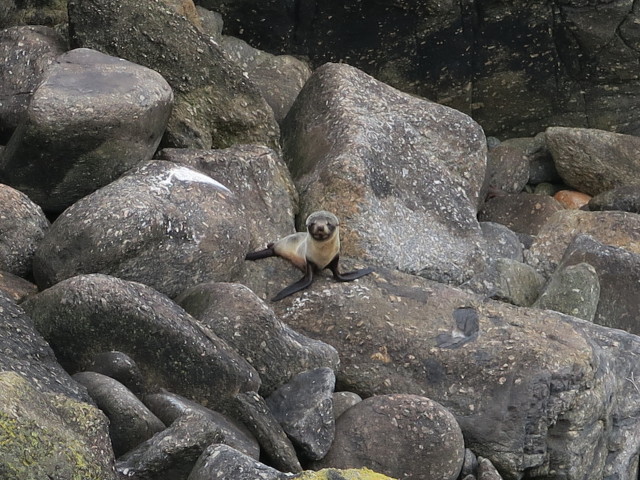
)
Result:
{"points": [[143, 154]]}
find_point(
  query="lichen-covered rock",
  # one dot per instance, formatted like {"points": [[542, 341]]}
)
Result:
{"points": [[88, 314], [337, 474], [574, 290], [427, 440], [26, 52], [92, 118], [593, 161], [258, 176], [23, 225], [47, 435], [47, 12], [162, 224], [215, 105], [236, 314], [402, 174]]}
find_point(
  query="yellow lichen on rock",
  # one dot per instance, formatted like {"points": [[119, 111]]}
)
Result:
{"points": [[335, 474]]}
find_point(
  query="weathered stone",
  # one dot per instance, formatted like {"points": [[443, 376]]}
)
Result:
{"points": [[215, 105], [470, 464], [391, 167], [120, 367], [427, 440], [522, 213], [46, 12], [533, 390], [509, 281], [501, 242], [626, 198], [541, 166], [572, 199], [16, 288], [130, 422], [258, 176], [278, 77], [91, 119], [252, 410], [619, 229], [304, 408], [618, 275], [173, 452], [90, 314], [507, 167], [221, 462], [593, 161], [342, 401], [26, 52], [237, 315], [24, 351], [574, 290], [22, 228], [47, 435], [164, 225], [169, 407], [486, 470]]}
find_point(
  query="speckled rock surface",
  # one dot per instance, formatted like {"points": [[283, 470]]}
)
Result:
{"points": [[626, 198], [237, 315], [89, 314], [593, 161], [428, 443], [44, 435], [258, 176], [23, 225], [402, 174], [91, 119], [215, 105], [221, 462], [25, 53], [522, 213], [164, 225]]}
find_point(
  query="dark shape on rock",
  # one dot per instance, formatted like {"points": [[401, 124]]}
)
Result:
{"points": [[252, 410], [466, 329], [221, 462], [91, 119], [304, 408], [130, 422], [171, 453], [424, 435], [120, 367], [89, 314], [169, 407]]}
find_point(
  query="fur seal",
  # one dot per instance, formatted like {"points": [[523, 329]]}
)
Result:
{"points": [[311, 251]]}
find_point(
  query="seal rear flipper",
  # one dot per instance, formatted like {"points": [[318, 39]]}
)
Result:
{"points": [[267, 252], [301, 284], [348, 276]]}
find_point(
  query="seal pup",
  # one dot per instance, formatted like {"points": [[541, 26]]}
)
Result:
{"points": [[311, 251]]}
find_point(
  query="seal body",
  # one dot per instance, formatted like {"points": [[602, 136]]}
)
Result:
{"points": [[311, 251]]}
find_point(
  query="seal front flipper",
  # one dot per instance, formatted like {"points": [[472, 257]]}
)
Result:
{"points": [[348, 276], [267, 252], [301, 284]]}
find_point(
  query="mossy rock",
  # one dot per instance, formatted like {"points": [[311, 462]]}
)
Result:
{"points": [[50, 435], [335, 474]]}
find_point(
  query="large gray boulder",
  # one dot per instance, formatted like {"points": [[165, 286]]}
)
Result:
{"points": [[594, 161], [89, 314], [215, 105], [91, 119], [259, 176], [532, 390], [23, 225], [26, 52], [164, 225], [403, 174]]}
